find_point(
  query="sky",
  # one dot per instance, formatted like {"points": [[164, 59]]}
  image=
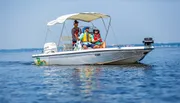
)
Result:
{"points": [[23, 23]]}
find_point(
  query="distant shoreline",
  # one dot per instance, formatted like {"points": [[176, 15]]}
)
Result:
{"points": [[121, 45]]}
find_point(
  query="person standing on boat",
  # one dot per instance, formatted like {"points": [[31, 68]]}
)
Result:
{"points": [[76, 31], [87, 39]]}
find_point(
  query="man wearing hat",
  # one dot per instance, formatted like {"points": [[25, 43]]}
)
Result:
{"points": [[87, 39], [76, 31]]}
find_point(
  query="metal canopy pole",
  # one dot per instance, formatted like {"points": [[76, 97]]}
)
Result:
{"points": [[47, 31], [92, 24], [107, 29], [61, 34], [46, 34]]}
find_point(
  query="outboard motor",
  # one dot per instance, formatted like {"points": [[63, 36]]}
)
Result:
{"points": [[50, 48], [148, 41]]}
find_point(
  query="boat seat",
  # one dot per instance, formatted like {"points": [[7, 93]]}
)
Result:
{"points": [[67, 43], [67, 47]]}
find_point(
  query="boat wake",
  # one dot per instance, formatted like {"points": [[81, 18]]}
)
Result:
{"points": [[5, 63]]}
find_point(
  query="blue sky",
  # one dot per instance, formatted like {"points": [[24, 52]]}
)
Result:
{"points": [[23, 22]]}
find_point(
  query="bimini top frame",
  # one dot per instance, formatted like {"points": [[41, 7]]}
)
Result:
{"points": [[84, 16]]}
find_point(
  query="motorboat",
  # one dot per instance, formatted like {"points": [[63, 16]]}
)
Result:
{"points": [[68, 55]]}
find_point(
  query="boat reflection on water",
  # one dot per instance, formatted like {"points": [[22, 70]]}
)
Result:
{"points": [[86, 78], [70, 81], [93, 83]]}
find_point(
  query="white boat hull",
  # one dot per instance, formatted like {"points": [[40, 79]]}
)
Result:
{"points": [[124, 55]]}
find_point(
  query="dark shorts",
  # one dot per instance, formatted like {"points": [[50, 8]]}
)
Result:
{"points": [[89, 45], [73, 42]]}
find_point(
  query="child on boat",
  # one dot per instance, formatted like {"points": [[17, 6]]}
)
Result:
{"points": [[97, 39]]}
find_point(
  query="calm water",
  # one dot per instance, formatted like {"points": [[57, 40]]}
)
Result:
{"points": [[156, 80]]}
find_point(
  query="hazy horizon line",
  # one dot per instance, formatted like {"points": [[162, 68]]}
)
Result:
{"points": [[155, 44]]}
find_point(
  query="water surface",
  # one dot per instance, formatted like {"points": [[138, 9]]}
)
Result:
{"points": [[155, 79]]}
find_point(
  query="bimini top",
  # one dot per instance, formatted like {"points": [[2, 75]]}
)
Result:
{"points": [[84, 16]]}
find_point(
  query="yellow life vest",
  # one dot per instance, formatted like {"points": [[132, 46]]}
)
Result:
{"points": [[86, 39]]}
